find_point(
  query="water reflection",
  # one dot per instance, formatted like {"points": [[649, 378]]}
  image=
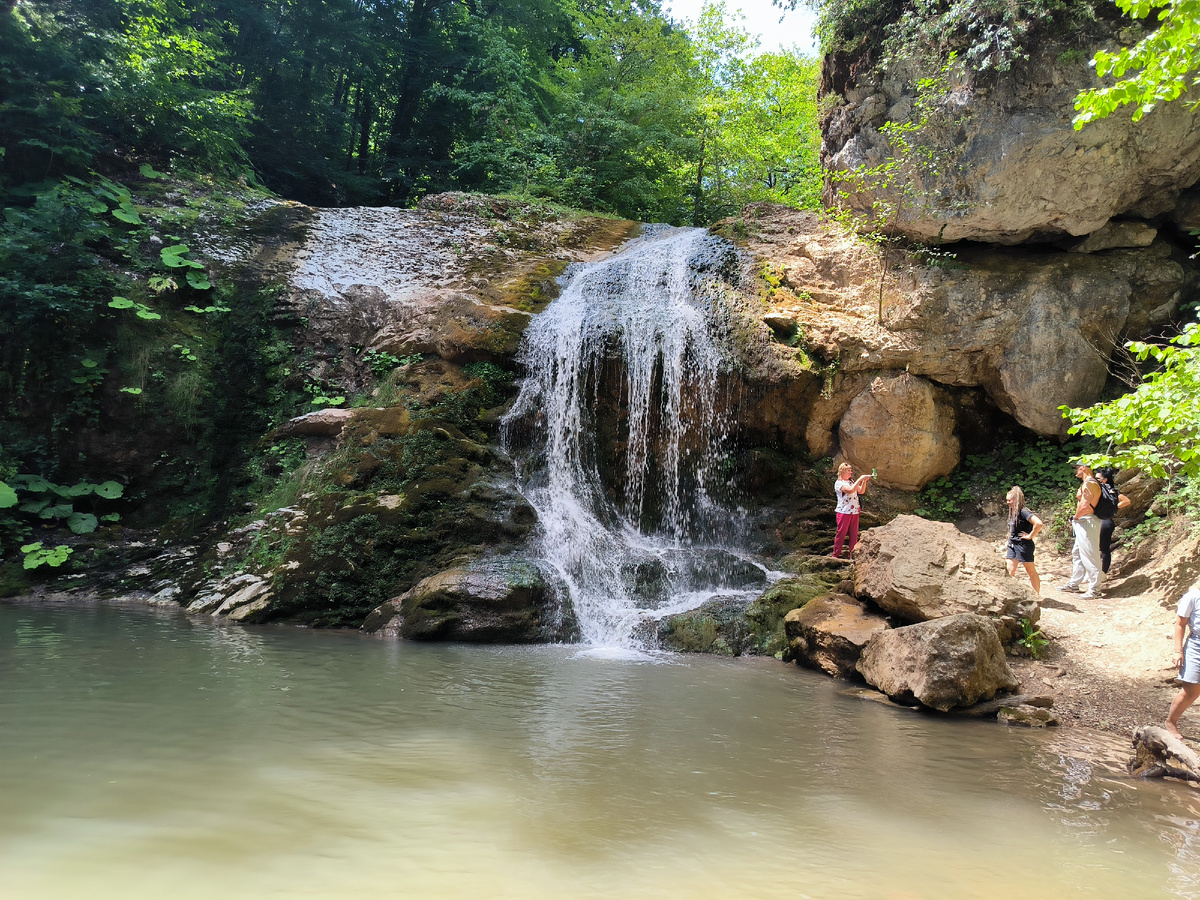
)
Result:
{"points": [[147, 755]]}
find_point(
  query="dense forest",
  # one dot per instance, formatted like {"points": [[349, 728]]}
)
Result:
{"points": [[607, 106], [130, 129]]}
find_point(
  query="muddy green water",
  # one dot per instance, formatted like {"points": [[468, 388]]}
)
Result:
{"points": [[143, 755]]}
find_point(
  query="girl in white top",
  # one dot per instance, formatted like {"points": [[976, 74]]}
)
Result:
{"points": [[847, 492]]}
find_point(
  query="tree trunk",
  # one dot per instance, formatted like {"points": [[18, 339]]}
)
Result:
{"points": [[1159, 754]]}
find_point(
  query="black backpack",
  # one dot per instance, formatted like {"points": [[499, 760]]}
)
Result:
{"points": [[1106, 506]]}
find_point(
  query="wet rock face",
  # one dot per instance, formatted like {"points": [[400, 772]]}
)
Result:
{"points": [[458, 277], [917, 570], [829, 633], [496, 600], [945, 663], [1014, 166], [903, 427]]}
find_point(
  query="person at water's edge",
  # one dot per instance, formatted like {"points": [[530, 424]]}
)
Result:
{"points": [[1085, 525], [847, 508], [1110, 501], [1023, 527], [1187, 657]]}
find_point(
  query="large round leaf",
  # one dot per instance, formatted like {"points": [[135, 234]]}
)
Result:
{"points": [[8, 497], [110, 490], [82, 523]]}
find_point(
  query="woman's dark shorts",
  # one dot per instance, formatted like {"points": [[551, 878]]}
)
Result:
{"points": [[1021, 551]]}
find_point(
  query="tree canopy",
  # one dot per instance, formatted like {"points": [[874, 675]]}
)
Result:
{"points": [[609, 105]]}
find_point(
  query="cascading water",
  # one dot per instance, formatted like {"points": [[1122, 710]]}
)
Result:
{"points": [[621, 441]]}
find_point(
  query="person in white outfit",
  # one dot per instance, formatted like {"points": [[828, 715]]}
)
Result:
{"points": [[1086, 573]]}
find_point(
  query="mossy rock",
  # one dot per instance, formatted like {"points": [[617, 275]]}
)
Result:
{"points": [[491, 600], [766, 614], [718, 626]]}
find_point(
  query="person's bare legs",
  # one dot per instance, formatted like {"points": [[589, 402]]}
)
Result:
{"points": [[1012, 568], [1034, 580], [1186, 697]]}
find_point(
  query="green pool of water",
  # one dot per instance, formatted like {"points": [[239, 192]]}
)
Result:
{"points": [[144, 755]]}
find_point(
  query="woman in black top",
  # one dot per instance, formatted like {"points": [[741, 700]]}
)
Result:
{"points": [[1110, 501], [1023, 525]]}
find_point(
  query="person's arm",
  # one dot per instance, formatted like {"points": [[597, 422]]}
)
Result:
{"points": [[860, 486], [1180, 624], [1122, 501], [1035, 526]]}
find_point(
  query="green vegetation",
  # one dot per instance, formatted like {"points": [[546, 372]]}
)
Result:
{"points": [[613, 107], [1156, 428], [1159, 68], [1042, 469], [986, 34], [1032, 639]]}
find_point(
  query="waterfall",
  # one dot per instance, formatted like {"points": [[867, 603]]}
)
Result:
{"points": [[621, 438]]}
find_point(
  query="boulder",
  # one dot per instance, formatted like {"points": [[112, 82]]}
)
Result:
{"points": [[1116, 236], [490, 601], [1011, 166], [903, 427], [235, 597], [918, 570], [322, 422], [829, 633], [782, 324], [945, 663]]}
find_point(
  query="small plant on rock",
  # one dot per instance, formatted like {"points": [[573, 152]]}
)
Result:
{"points": [[1032, 639]]}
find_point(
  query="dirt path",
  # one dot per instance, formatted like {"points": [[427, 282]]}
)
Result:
{"points": [[1109, 663]]}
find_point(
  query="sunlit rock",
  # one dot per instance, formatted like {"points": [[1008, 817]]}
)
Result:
{"points": [[903, 427], [944, 663], [918, 570], [829, 633]]}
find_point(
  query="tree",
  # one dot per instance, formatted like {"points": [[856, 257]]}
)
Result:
{"points": [[1161, 67], [1156, 428]]}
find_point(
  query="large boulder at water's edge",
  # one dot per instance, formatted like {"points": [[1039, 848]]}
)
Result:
{"points": [[902, 426], [500, 601], [946, 663], [829, 633], [917, 570]]}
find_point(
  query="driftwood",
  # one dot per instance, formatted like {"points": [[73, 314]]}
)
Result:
{"points": [[1159, 754], [990, 708]]}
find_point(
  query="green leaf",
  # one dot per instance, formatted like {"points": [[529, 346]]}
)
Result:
{"points": [[88, 363], [111, 517], [58, 511], [144, 313], [8, 497], [78, 490], [82, 523], [110, 490], [174, 250], [198, 280], [33, 483], [30, 548], [121, 303], [127, 214], [148, 171], [129, 390]]}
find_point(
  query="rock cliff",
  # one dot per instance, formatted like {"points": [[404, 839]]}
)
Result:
{"points": [[1010, 166]]}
